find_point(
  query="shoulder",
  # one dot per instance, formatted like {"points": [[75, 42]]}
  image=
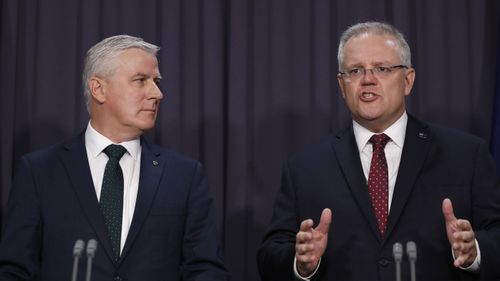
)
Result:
{"points": [[446, 135], [453, 135], [53, 151], [175, 160], [444, 141]]}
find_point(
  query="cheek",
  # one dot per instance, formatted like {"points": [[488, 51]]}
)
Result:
{"points": [[134, 100], [137, 96], [350, 94], [348, 90]]}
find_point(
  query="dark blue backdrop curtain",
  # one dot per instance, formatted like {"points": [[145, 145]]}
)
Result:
{"points": [[247, 82], [495, 133]]}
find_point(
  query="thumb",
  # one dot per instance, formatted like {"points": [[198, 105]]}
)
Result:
{"points": [[324, 221], [448, 214]]}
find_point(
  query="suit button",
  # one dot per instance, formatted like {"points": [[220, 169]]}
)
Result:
{"points": [[117, 278], [384, 262]]}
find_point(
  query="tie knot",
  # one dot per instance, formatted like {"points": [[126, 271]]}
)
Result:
{"points": [[115, 151], [379, 141]]}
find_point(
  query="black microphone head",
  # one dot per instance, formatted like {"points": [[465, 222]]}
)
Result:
{"points": [[397, 251], [91, 247], [411, 250], [78, 248]]}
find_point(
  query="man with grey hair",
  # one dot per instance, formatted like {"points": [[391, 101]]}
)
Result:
{"points": [[147, 207], [387, 178]]}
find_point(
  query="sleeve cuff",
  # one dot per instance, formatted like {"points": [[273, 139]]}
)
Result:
{"points": [[308, 278]]}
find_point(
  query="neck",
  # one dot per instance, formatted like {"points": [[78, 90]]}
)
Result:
{"points": [[115, 135]]}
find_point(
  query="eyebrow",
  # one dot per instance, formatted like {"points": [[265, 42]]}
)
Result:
{"points": [[375, 64], [142, 74]]}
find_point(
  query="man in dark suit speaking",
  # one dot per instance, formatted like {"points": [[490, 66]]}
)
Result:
{"points": [[386, 178], [148, 208]]}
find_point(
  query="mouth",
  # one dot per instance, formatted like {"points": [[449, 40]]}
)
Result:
{"points": [[368, 96], [149, 110]]}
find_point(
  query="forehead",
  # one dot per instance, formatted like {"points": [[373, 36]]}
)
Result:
{"points": [[371, 49]]}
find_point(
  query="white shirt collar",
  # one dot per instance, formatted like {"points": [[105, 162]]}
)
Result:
{"points": [[396, 132], [96, 143]]}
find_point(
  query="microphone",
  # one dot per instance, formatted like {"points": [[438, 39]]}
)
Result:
{"points": [[397, 251], [91, 248], [411, 250], [77, 252]]}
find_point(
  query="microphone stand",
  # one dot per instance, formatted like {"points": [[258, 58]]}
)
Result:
{"points": [[91, 248], [411, 250], [397, 251], [77, 252]]}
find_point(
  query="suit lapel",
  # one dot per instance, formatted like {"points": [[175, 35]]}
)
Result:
{"points": [[152, 166], [76, 162], [415, 150], [348, 159]]}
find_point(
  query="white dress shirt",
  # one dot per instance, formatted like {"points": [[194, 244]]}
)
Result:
{"points": [[393, 149], [95, 143]]}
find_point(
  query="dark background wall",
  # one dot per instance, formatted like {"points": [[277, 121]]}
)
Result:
{"points": [[247, 83]]}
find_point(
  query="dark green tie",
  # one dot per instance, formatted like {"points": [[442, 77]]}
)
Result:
{"points": [[112, 196]]}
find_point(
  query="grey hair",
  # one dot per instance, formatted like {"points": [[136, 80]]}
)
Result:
{"points": [[98, 61], [377, 28]]}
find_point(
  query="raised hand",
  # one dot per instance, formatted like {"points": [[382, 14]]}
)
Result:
{"points": [[460, 235], [311, 243]]}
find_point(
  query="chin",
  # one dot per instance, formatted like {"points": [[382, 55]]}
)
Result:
{"points": [[369, 117], [145, 126]]}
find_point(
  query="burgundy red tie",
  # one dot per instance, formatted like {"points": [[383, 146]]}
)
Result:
{"points": [[378, 181]]}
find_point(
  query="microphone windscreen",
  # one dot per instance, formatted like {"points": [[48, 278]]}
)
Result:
{"points": [[78, 248], [411, 250], [91, 247], [397, 250]]}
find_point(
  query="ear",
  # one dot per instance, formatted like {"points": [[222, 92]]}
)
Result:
{"points": [[96, 86], [409, 80], [341, 84]]}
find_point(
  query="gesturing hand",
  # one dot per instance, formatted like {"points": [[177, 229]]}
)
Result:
{"points": [[311, 243], [460, 235]]}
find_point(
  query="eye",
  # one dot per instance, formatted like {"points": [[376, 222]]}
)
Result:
{"points": [[140, 80], [382, 69], [354, 71], [157, 81]]}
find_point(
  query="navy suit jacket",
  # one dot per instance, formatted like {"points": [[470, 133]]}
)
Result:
{"points": [[436, 163], [53, 203]]}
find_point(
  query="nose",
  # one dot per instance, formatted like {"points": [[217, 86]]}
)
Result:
{"points": [[368, 77], [155, 92]]}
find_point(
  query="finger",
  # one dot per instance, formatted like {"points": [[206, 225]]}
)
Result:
{"points": [[464, 225], [447, 208], [303, 249], [468, 245], [307, 257], [325, 221], [463, 247], [459, 261], [306, 225], [464, 260], [464, 236], [303, 237]]}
